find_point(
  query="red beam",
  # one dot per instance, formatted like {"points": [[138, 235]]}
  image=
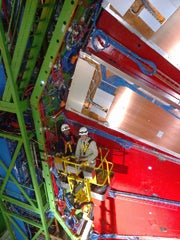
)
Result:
{"points": [[168, 83]]}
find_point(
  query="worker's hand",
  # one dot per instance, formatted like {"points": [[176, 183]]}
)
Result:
{"points": [[60, 154], [78, 160], [83, 159]]}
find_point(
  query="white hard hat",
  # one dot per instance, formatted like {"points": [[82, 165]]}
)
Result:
{"points": [[83, 131], [64, 127]]}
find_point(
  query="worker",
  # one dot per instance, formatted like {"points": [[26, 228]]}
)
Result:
{"points": [[86, 149], [67, 142]]}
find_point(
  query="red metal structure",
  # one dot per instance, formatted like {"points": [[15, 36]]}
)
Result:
{"points": [[166, 78], [88, 67], [144, 200]]}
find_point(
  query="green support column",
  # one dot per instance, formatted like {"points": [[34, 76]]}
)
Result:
{"points": [[21, 44], [9, 227], [2, 224], [10, 176], [18, 228], [7, 107], [38, 37], [62, 25], [50, 190], [55, 44], [24, 133], [12, 103]]}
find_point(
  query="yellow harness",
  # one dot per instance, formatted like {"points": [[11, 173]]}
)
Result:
{"points": [[85, 146], [68, 145]]}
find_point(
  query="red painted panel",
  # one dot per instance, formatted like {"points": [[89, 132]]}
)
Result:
{"points": [[131, 217], [147, 196], [138, 214], [122, 35], [147, 175]]}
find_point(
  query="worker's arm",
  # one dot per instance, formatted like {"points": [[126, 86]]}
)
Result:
{"points": [[78, 150], [92, 152]]}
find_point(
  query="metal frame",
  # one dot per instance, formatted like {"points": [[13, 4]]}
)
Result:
{"points": [[21, 44], [12, 103], [52, 51], [25, 139], [12, 67]]}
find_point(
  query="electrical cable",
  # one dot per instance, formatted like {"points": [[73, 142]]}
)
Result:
{"points": [[146, 66], [96, 236], [106, 41], [139, 197]]}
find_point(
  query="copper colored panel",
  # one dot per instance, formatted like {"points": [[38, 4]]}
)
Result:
{"points": [[145, 120], [168, 36]]}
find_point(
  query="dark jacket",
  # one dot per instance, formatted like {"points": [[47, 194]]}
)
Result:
{"points": [[66, 145]]}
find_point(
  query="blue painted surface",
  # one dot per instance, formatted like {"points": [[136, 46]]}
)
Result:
{"points": [[2, 79], [11, 188], [110, 84], [22, 227]]}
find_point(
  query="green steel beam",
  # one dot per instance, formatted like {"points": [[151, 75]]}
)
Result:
{"points": [[13, 8], [24, 133], [9, 169], [16, 24], [7, 107], [10, 136], [18, 228], [19, 203], [41, 230], [48, 7], [9, 175], [9, 227], [23, 105], [50, 191], [2, 224], [56, 43], [24, 219], [21, 44], [35, 237], [36, 224]]}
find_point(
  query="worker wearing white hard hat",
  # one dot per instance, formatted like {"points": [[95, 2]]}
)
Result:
{"points": [[65, 127], [86, 149], [67, 141]]}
